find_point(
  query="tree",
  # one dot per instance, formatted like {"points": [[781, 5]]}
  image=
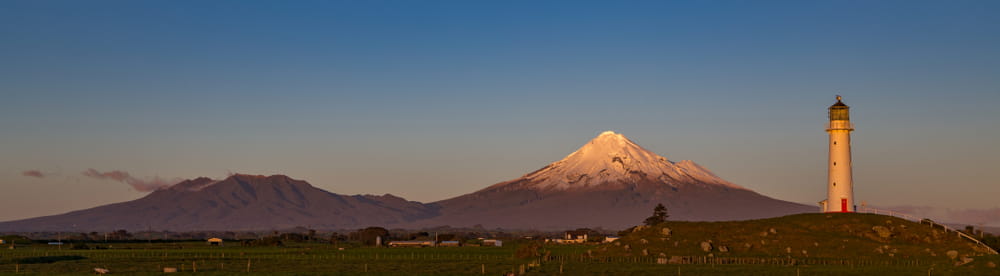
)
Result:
{"points": [[370, 235], [659, 215], [528, 250]]}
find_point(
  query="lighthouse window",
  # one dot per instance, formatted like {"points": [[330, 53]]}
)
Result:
{"points": [[835, 184], [834, 142], [834, 163]]}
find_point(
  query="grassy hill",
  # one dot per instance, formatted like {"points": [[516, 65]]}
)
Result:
{"points": [[816, 236]]}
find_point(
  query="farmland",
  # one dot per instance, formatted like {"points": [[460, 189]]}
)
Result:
{"points": [[808, 244], [325, 259]]}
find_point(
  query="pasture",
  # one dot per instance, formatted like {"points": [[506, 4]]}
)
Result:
{"points": [[326, 259]]}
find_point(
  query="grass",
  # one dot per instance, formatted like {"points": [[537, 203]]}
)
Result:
{"points": [[318, 259], [849, 235], [295, 258], [834, 244]]}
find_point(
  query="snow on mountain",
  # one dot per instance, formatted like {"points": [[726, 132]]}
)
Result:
{"points": [[609, 182], [611, 158]]}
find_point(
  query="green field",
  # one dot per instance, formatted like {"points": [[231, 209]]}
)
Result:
{"points": [[325, 259], [806, 244]]}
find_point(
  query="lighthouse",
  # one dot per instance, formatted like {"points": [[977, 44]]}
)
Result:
{"points": [[840, 184]]}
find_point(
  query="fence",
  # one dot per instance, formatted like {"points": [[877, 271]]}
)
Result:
{"points": [[261, 262], [705, 260], [933, 224]]}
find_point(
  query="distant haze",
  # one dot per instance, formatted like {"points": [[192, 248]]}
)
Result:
{"points": [[431, 100]]}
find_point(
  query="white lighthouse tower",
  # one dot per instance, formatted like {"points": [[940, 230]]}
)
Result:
{"points": [[840, 184]]}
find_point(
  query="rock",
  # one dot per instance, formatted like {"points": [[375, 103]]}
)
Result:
{"points": [[879, 250], [676, 243], [952, 254], [723, 248], [666, 231], [748, 245], [991, 265], [888, 222], [772, 231], [643, 241], [618, 244], [98, 270], [627, 247], [711, 255], [963, 261], [645, 252], [663, 254], [676, 260], [706, 246], [804, 252], [882, 231], [788, 250], [762, 242], [816, 244], [763, 234], [639, 228]]}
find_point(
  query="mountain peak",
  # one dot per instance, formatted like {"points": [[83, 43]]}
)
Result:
{"points": [[610, 133], [613, 158], [610, 141]]}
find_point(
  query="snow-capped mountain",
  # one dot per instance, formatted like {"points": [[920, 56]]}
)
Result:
{"points": [[610, 159], [610, 182]]}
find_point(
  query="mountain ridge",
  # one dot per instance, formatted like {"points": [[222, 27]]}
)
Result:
{"points": [[609, 182], [239, 202]]}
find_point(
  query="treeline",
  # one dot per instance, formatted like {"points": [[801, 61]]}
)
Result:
{"points": [[360, 237]]}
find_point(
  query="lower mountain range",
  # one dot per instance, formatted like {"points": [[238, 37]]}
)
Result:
{"points": [[610, 182]]}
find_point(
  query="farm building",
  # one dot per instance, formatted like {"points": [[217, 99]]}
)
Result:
{"points": [[497, 243], [411, 243], [450, 244], [215, 241], [576, 237]]}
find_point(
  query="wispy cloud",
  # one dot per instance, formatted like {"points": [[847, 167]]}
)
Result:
{"points": [[124, 177], [33, 173]]}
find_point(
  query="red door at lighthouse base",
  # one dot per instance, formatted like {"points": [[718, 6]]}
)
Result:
{"points": [[843, 205]]}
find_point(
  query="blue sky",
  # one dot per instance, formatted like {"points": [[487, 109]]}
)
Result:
{"points": [[432, 99]]}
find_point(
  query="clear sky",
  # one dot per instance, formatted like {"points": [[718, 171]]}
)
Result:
{"points": [[433, 99]]}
